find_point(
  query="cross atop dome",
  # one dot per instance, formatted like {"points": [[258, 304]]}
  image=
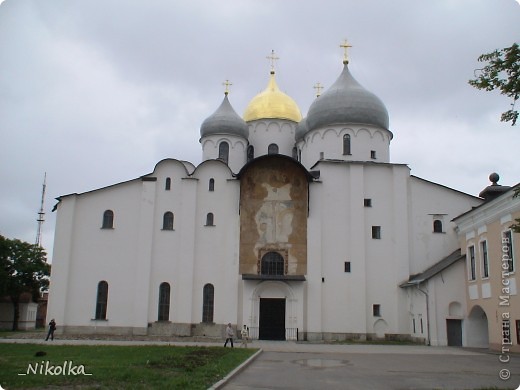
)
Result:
{"points": [[272, 58], [345, 45], [318, 87], [226, 84]]}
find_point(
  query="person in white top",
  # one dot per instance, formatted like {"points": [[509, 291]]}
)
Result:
{"points": [[245, 336]]}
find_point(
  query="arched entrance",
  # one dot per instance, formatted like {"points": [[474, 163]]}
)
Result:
{"points": [[454, 325], [273, 305], [477, 335]]}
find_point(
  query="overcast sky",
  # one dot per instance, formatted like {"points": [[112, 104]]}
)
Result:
{"points": [[97, 92]]}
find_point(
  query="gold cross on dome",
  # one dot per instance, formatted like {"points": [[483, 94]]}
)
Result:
{"points": [[272, 58], [226, 84], [345, 45], [318, 87]]}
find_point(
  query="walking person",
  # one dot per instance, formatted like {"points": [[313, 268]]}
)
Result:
{"points": [[245, 336], [52, 328], [229, 335]]}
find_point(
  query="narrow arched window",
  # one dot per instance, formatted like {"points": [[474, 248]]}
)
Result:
{"points": [[208, 294], [209, 219], [223, 152], [272, 149], [164, 302], [346, 144], [295, 153], [168, 221], [250, 152], [108, 220], [101, 300], [437, 226], [211, 185], [272, 264], [168, 184]]}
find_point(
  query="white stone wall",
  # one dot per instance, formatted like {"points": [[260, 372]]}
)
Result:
{"points": [[264, 132], [327, 143], [237, 149], [429, 201]]}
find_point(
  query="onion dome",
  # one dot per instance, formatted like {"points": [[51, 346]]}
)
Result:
{"points": [[272, 104], [224, 120], [347, 101], [301, 129]]}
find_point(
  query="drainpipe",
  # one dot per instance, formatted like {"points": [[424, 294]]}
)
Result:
{"points": [[427, 309]]}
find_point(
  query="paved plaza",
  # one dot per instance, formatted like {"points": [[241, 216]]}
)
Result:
{"points": [[375, 368]]}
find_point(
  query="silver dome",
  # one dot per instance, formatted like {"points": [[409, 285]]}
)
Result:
{"points": [[346, 101], [224, 121], [301, 130]]}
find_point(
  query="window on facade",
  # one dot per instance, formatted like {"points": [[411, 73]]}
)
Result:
{"points": [[437, 226], [208, 294], [223, 152], [272, 264], [164, 302], [347, 266], [168, 184], [168, 221], [209, 219], [102, 300], [272, 149], [507, 249], [295, 153], [422, 328], [376, 232], [367, 202], [376, 310], [346, 144], [373, 154], [413, 324], [250, 152], [485, 262], [518, 331], [322, 155], [471, 265], [211, 185], [108, 220]]}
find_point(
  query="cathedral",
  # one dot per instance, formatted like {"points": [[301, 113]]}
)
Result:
{"points": [[297, 226]]}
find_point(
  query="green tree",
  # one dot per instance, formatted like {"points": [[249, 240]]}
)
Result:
{"points": [[501, 72], [23, 269]]}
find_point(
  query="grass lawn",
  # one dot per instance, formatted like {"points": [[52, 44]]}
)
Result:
{"points": [[115, 367]]}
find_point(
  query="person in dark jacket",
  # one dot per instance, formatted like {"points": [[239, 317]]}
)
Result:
{"points": [[52, 328]]}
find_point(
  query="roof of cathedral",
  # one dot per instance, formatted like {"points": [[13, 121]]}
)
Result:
{"points": [[272, 103], [347, 101], [224, 120]]}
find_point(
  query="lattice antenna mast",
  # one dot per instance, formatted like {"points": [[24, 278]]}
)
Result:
{"points": [[41, 213]]}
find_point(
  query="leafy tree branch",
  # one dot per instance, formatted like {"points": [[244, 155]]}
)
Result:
{"points": [[502, 73]]}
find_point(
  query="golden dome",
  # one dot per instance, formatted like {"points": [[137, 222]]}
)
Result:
{"points": [[272, 104]]}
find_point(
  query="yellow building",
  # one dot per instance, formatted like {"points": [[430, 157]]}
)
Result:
{"points": [[492, 250]]}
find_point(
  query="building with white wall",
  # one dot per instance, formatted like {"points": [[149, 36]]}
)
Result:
{"points": [[297, 228]]}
